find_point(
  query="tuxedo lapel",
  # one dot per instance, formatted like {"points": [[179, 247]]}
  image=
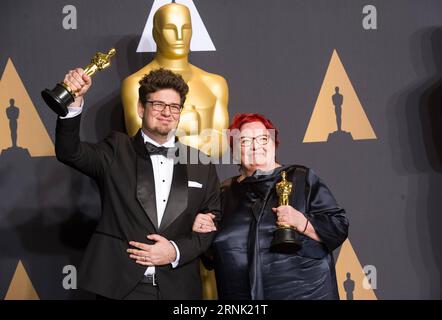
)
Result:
{"points": [[178, 195], [145, 181]]}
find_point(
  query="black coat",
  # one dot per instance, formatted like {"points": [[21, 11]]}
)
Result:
{"points": [[122, 168], [247, 268]]}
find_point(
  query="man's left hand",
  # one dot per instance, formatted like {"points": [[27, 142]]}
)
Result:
{"points": [[161, 253]]}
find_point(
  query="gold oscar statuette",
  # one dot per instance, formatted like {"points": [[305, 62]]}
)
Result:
{"points": [[285, 238], [59, 98]]}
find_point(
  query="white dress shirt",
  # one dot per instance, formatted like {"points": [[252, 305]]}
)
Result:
{"points": [[162, 173]]}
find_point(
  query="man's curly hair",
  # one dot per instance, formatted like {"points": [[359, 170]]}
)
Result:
{"points": [[162, 79]]}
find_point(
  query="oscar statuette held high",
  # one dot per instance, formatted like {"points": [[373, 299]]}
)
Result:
{"points": [[59, 98]]}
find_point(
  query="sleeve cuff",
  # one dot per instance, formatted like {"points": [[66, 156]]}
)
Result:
{"points": [[177, 260], [74, 111]]}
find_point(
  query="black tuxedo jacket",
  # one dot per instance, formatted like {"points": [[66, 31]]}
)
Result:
{"points": [[122, 168]]}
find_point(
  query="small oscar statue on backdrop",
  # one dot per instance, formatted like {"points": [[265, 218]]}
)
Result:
{"points": [[59, 98], [285, 238]]}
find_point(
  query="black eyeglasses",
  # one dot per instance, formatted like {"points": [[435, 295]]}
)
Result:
{"points": [[248, 141], [174, 108]]}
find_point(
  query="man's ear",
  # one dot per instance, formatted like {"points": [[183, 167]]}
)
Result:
{"points": [[140, 109]]}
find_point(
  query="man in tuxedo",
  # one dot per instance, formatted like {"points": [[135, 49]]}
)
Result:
{"points": [[143, 246]]}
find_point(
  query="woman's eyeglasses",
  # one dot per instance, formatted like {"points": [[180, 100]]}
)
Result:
{"points": [[261, 140]]}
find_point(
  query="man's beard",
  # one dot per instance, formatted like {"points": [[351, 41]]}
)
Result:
{"points": [[158, 129], [164, 132]]}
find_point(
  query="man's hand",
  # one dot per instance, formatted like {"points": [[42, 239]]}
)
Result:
{"points": [[158, 254], [79, 83]]}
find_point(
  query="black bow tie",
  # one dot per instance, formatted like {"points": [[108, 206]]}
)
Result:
{"points": [[153, 149]]}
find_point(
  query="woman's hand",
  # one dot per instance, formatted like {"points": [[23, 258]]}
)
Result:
{"points": [[287, 215], [204, 223]]}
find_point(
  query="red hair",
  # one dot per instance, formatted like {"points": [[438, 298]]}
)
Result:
{"points": [[241, 119]]}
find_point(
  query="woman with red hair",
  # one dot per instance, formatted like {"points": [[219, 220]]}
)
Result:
{"points": [[249, 260]]}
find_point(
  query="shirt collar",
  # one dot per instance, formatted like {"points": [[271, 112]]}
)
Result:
{"points": [[168, 144]]}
